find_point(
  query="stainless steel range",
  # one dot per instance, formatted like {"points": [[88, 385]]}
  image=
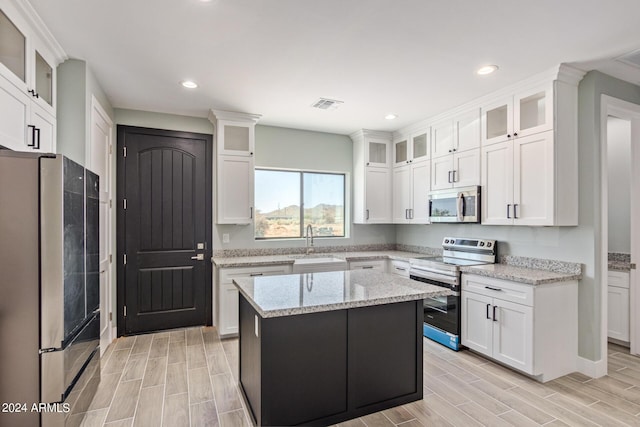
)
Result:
{"points": [[442, 314]]}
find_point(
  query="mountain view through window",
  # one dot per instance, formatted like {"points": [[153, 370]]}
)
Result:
{"points": [[287, 201]]}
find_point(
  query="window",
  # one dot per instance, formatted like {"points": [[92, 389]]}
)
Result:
{"points": [[287, 201]]}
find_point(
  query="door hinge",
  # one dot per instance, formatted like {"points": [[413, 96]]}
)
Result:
{"points": [[125, 311], [110, 316], [110, 148], [125, 259], [124, 204], [110, 203], [633, 265], [124, 151], [110, 258]]}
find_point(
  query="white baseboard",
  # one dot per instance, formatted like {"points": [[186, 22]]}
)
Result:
{"points": [[592, 368]]}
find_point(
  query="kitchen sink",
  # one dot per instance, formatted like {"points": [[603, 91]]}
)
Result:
{"points": [[314, 264]]}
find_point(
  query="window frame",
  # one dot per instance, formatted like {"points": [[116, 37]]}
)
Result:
{"points": [[301, 173]]}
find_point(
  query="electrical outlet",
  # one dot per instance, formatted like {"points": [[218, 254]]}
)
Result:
{"points": [[225, 238]]}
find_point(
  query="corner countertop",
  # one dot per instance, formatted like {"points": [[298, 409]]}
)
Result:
{"points": [[619, 261], [520, 274], [249, 261], [294, 294]]}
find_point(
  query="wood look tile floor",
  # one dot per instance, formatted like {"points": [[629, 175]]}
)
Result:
{"points": [[189, 377]]}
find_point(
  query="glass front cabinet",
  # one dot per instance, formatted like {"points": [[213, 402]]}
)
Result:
{"points": [[27, 82], [525, 113]]}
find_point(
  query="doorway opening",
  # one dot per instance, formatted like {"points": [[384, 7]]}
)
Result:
{"points": [[620, 224]]}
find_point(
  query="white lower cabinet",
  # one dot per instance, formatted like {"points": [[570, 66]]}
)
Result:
{"points": [[376, 264], [618, 305], [398, 267], [227, 293], [530, 328]]}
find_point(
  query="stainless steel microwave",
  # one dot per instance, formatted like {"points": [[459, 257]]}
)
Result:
{"points": [[455, 205]]}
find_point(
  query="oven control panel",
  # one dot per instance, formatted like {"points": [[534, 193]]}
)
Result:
{"points": [[461, 243]]}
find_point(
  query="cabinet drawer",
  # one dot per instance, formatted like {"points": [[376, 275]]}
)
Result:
{"points": [[500, 289], [228, 274], [401, 268], [376, 264], [619, 279]]}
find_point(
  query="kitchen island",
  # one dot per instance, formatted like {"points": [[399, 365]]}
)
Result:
{"points": [[320, 348]]}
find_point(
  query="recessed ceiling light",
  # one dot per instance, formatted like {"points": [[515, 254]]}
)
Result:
{"points": [[189, 84], [487, 69], [390, 116]]}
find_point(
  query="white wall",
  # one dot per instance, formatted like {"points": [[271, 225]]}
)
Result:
{"points": [[619, 184], [76, 85], [147, 119], [278, 147]]}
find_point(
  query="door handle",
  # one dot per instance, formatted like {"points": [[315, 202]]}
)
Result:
{"points": [[508, 211], [367, 213], [33, 136], [406, 214], [449, 178], [199, 257], [454, 174], [494, 313], [488, 305], [515, 211], [37, 130]]}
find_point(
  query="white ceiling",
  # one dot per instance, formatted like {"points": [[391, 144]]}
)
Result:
{"points": [[415, 58]]}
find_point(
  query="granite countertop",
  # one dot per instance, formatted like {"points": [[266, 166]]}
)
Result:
{"points": [[246, 261], [619, 261], [293, 294], [531, 276]]}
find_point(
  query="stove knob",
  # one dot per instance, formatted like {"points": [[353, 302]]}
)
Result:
{"points": [[446, 240], [452, 241], [488, 244], [481, 243]]}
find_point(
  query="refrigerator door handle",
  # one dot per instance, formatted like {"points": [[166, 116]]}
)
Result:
{"points": [[49, 350]]}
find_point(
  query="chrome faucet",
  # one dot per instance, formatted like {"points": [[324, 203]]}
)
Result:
{"points": [[309, 234]]}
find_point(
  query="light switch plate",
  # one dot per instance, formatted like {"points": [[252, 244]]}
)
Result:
{"points": [[225, 238]]}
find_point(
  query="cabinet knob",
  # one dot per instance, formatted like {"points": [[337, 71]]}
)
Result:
{"points": [[449, 150], [454, 150], [515, 134], [251, 153], [508, 136], [367, 163]]}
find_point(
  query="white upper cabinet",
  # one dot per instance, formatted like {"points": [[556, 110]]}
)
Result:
{"points": [[524, 113], [529, 160], [458, 133], [410, 193], [377, 153], [234, 142], [372, 192], [518, 181], [235, 132], [412, 149], [456, 153], [466, 128], [442, 138], [28, 60]]}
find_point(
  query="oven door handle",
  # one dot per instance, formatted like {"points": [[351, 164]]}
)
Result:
{"points": [[428, 273]]}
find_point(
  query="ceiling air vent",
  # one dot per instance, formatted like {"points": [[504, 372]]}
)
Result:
{"points": [[632, 58], [327, 104]]}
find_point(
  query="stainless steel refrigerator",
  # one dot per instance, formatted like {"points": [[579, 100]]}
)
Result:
{"points": [[49, 289]]}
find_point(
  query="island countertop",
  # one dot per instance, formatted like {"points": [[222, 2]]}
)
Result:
{"points": [[293, 294]]}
